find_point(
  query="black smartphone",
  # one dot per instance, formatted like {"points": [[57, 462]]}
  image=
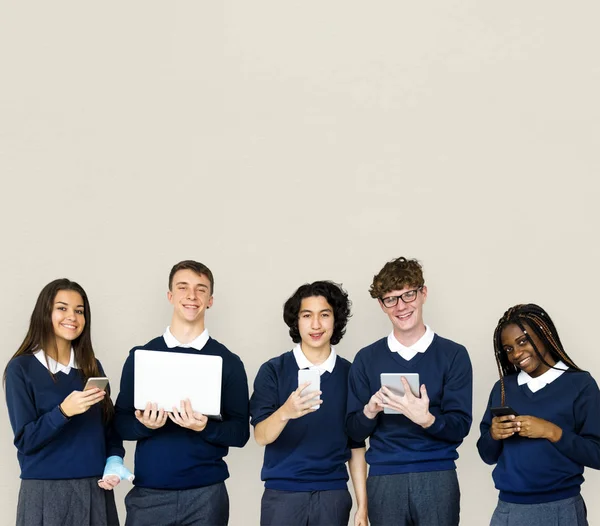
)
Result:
{"points": [[503, 411]]}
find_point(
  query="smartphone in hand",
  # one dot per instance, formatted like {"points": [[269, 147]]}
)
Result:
{"points": [[312, 376], [503, 411], [101, 382]]}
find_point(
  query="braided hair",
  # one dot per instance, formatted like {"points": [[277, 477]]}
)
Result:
{"points": [[529, 317]]}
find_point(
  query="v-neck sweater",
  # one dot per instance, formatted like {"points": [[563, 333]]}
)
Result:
{"points": [[49, 445], [398, 445], [311, 452], [535, 470]]}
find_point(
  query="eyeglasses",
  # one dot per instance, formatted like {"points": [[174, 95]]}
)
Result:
{"points": [[407, 297]]}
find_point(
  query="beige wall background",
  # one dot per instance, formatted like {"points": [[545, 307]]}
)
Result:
{"points": [[284, 142]]}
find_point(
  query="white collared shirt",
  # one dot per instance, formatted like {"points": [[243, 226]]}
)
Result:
{"points": [[54, 366], [303, 362], [197, 343], [535, 384], [420, 346]]}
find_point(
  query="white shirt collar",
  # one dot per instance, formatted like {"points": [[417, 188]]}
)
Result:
{"points": [[535, 384], [56, 367], [303, 362], [197, 343], [420, 346]]}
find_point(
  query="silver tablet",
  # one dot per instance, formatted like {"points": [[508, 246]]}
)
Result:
{"points": [[393, 382]]}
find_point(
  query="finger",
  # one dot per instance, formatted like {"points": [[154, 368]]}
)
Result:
{"points": [[104, 485], [154, 412], [424, 395], [309, 396], [147, 411], [176, 417], [407, 391], [173, 419], [301, 387], [187, 406], [163, 418]]}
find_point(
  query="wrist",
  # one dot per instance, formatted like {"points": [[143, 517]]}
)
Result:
{"points": [[555, 434], [64, 413], [283, 417], [369, 414], [429, 420]]}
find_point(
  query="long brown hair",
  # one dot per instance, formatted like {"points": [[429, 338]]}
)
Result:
{"points": [[40, 335]]}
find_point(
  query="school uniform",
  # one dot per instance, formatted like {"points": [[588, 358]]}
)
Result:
{"points": [[180, 473], [61, 458], [539, 482], [412, 472], [304, 469]]}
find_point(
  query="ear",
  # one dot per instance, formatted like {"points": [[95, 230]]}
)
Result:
{"points": [[382, 305], [170, 297], [210, 302], [424, 292]]}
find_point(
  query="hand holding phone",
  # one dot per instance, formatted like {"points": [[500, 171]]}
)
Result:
{"points": [[503, 426]]}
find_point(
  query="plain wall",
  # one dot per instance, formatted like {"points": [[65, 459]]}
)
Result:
{"points": [[284, 142]]}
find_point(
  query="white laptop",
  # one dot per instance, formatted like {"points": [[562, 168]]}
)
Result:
{"points": [[166, 378]]}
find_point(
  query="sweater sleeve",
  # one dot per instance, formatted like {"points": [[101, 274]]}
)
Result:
{"points": [[582, 445], [125, 422], [264, 400], [358, 426], [489, 449], [114, 443], [32, 431], [234, 429], [454, 415]]}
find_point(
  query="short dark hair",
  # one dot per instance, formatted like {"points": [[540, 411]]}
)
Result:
{"points": [[396, 275], [335, 295], [195, 266]]}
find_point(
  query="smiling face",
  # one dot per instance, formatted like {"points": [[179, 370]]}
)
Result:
{"points": [[315, 323], [520, 352], [190, 296], [68, 316], [406, 318]]}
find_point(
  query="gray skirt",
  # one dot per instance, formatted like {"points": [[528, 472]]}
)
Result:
{"points": [[72, 502]]}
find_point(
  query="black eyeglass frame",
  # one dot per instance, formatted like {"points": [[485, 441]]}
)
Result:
{"points": [[402, 297]]}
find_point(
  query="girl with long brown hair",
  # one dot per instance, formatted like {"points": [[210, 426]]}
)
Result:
{"points": [[63, 433]]}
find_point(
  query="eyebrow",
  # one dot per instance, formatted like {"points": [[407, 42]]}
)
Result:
{"points": [[186, 283], [308, 310], [63, 303]]}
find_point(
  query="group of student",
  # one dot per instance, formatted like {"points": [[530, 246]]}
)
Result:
{"points": [[69, 440]]}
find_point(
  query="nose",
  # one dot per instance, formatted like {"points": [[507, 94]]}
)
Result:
{"points": [[191, 294], [71, 314], [316, 323]]}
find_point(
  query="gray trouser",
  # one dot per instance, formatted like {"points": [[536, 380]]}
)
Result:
{"points": [[565, 512], [305, 508], [208, 506], [431, 498]]}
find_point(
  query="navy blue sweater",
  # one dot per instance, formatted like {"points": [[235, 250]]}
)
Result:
{"points": [[173, 457], [311, 452], [49, 445], [534, 470], [398, 445]]}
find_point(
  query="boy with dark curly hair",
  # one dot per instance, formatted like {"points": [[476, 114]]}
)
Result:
{"points": [[306, 444], [412, 474]]}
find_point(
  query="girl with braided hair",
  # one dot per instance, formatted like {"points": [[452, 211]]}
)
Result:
{"points": [[540, 450]]}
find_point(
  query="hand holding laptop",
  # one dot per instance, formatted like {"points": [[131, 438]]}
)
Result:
{"points": [[151, 417], [186, 417]]}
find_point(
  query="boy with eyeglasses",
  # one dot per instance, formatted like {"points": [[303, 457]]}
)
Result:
{"points": [[412, 475]]}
